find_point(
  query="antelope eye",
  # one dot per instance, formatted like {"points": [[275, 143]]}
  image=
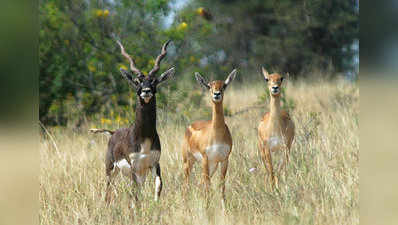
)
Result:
{"points": [[266, 79]]}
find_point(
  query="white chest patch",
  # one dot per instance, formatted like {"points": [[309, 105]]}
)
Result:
{"points": [[275, 142], [198, 156], [215, 153]]}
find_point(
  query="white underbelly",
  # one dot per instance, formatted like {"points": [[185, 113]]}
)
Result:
{"points": [[218, 152], [140, 163], [215, 153], [275, 142]]}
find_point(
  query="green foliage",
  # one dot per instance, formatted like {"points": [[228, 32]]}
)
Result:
{"points": [[288, 104], [289, 36], [79, 57], [263, 98], [227, 111], [80, 61], [196, 98]]}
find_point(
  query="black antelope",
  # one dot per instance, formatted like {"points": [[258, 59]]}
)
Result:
{"points": [[209, 142], [136, 149], [276, 129]]}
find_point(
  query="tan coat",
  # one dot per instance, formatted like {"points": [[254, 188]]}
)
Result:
{"points": [[276, 129], [209, 142]]}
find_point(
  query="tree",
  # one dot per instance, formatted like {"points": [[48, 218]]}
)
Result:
{"points": [[290, 36], [79, 57], [80, 60]]}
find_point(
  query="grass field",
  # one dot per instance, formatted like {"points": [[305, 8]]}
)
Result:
{"points": [[322, 186]]}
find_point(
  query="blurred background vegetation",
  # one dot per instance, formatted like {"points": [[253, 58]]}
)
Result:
{"points": [[80, 61]]}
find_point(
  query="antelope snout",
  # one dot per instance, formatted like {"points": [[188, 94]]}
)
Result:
{"points": [[217, 96], [275, 89], [146, 94], [146, 90]]}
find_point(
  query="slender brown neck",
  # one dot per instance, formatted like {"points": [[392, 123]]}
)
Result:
{"points": [[275, 110], [218, 115]]}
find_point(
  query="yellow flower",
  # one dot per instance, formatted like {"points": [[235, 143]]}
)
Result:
{"points": [[105, 13], [99, 13], [91, 68], [106, 121], [200, 10], [192, 59], [182, 26], [121, 66]]}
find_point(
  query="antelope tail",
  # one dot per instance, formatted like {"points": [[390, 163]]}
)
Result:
{"points": [[95, 131]]}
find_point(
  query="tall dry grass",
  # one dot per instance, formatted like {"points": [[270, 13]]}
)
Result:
{"points": [[321, 187]]}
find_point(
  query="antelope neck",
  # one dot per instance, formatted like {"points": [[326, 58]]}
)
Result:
{"points": [[217, 115], [145, 116], [275, 109]]}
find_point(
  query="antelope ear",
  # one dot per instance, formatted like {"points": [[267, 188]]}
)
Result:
{"points": [[285, 79], [230, 78], [166, 75], [265, 74], [201, 80], [134, 83]]}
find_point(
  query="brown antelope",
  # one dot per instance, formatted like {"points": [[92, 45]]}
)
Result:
{"points": [[136, 149], [209, 141], [276, 129]]}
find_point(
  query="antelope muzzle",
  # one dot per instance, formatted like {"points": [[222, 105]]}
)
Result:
{"points": [[275, 90], [146, 94], [217, 96]]}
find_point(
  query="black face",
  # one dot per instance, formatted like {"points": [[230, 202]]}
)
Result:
{"points": [[145, 86]]}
